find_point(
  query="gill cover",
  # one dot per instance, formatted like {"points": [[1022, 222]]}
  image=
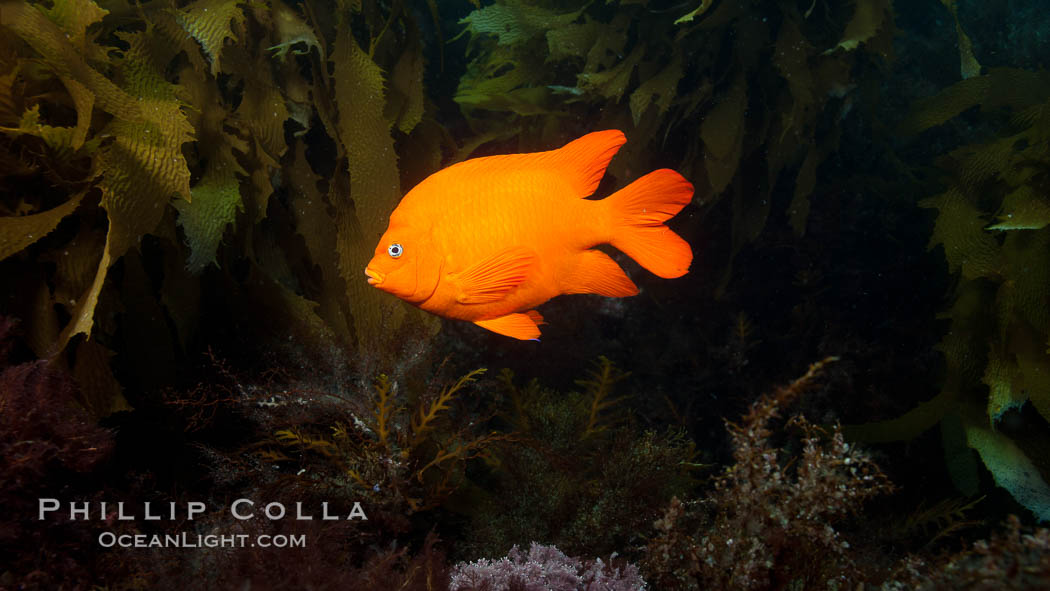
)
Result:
{"points": [[405, 264]]}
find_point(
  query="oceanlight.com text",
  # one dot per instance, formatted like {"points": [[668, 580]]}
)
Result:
{"points": [[188, 540]]}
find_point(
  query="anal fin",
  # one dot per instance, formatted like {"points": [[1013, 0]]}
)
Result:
{"points": [[523, 326], [595, 272]]}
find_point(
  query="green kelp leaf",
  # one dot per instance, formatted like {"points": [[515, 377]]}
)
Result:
{"points": [[217, 195], [1000, 87], [572, 40], [59, 139], [1011, 468], [907, 426], [47, 39], [868, 18], [969, 67], [216, 201], [42, 331], [1024, 294], [1023, 209], [960, 460], [424, 151], [1022, 314], [273, 260], [74, 17], [612, 83], [791, 58], [165, 24], [608, 48], [499, 83], [290, 29], [513, 21], [960, 228], [263, 110], [473, 143], [83, 314], [946, 104], [977, 163], [84, 102], [351, 5], [806, 181], [316, 226], [406, 88], [99, 389], [297, 96], [291, 318], [206, 112], [698, 11], [1033, 363], [1036, 117], [365, 134], [81, 268], [722, 132], [17, 233], [10, 109], [1002, 375], [798, 211], [256, 193], [1016, 89], [142, 168], [211, 23], [522, 101], [663, 87], [374, 183], [77, 19], [964, 348], [75, 265]]}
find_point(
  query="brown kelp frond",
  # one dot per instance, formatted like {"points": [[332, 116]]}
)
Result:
{"points": [[686, 74], [408, 456], [993, 224], [182, 122], [384, 409], [598, 389], [426, 415]]}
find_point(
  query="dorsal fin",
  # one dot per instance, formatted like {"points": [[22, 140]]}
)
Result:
{"points": [[585, 159], [581, 162]]}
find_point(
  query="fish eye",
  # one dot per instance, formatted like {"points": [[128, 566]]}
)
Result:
{"points": [[395, 250]]}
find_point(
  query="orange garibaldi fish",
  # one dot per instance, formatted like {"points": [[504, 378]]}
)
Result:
{"points": [[489, 239]]}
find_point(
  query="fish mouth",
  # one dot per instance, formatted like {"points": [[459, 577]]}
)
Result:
{"points": [[374, 277]]}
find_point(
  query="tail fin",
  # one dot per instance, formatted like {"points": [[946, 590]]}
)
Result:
{"points": [[639, 211]]}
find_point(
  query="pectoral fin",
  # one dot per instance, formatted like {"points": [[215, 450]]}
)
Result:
{"points": [[491, 279], [523, 326]]}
